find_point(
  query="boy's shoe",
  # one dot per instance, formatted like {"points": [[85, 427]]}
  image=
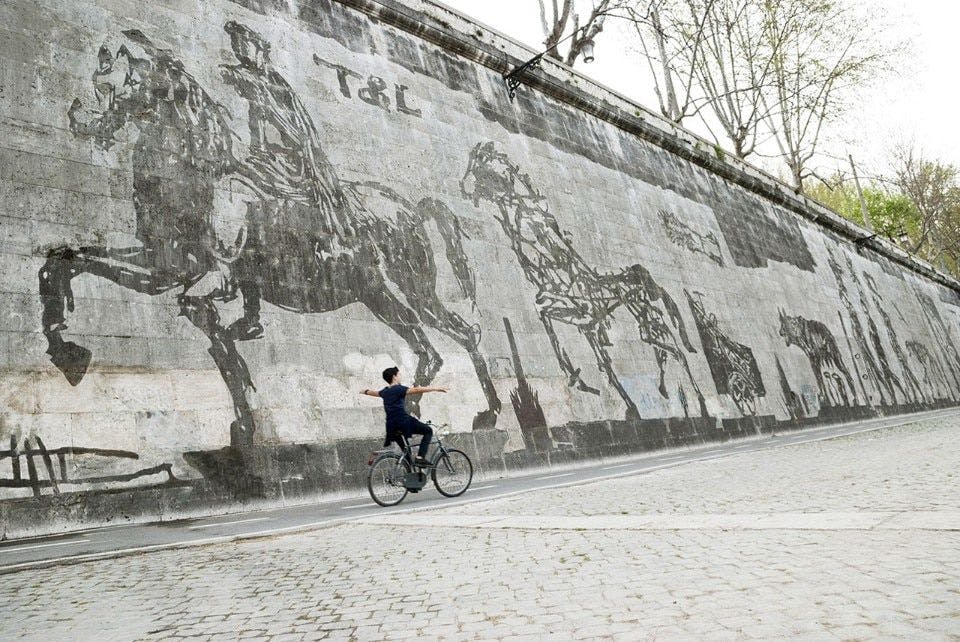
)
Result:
{"points": [[420, 461]]}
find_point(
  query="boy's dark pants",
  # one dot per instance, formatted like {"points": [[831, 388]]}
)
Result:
{"points": [[412, 426]]}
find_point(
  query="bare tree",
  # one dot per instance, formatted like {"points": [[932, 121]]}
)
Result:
{"points": [[820, 49], [707, 54], [934, 188], [671, 48], [555, 22], [778, 68], [732, 64], [664, 29]]}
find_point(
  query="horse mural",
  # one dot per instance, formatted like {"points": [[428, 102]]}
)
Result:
{"points": [[569, 290], [310, 242]]}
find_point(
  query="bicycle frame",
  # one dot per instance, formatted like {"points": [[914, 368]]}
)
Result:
{"points": [[406, 454], [403, 473]]}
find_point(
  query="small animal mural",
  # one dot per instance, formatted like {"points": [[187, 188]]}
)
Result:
{"points": [[834, 382], [310, 241], [683, 235], [569, 289], [732, 365]]}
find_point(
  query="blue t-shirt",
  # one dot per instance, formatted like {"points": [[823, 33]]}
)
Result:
{"points": [[394, 404]]}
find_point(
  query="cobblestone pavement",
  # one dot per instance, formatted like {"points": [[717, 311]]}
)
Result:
{"points": [[911, 467], [561, 578]]}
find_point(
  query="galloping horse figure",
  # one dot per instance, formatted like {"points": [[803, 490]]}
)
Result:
{"points": [[569, 290], [310, 242]]}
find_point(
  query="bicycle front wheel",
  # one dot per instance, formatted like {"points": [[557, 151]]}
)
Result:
{"points": [[385, 479], [452, 473]]}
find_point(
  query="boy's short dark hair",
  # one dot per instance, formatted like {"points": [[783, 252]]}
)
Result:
{"points": [[390, 373]]}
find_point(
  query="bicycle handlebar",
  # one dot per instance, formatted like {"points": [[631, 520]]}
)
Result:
{"points": [[440, 427]]}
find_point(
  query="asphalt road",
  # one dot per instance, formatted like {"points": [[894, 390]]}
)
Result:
{"points": [[112, 541]]}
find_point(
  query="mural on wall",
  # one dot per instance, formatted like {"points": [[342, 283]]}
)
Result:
{"points": [[683, 235], [794, 404], [305, 240], [62, 474], [834, 382], [877, 375], [569, 290], [309, 243], [934, 377], [732, 365], [942, 338], [526, 403], [914, 393], [897, 391]]}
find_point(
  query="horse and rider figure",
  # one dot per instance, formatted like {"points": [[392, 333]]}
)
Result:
{"points": [[310, 241]]}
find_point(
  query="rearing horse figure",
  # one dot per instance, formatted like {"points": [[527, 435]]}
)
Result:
{"points": [[289, 253], [183, 147], [569, 290]]}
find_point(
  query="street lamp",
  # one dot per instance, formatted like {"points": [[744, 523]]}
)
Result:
{"points": [[587, 48], [512, 77]]}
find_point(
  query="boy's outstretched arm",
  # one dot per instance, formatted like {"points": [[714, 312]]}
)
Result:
{"points": [[370, 393], [418, 390]]}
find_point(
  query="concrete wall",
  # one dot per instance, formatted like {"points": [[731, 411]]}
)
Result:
{"points": [[222, 220]]}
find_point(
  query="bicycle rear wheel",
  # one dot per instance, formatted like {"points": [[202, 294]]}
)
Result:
{"points": [[385, 479], [452, 473]]}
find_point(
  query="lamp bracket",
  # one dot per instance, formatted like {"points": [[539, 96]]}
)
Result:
{"points": [[512, 77]]}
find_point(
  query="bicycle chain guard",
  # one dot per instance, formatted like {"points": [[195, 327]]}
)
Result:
{"points": [[415, 481]]}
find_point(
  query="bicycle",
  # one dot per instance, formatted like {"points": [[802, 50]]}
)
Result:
{"points": [[391, 475]]}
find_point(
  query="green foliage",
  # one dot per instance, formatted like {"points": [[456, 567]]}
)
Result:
{"points": [[841, 200], [891, 213], [923, 218], [934, 187]]}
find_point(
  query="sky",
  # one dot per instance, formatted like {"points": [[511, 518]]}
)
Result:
{"points": [[918, 102]]}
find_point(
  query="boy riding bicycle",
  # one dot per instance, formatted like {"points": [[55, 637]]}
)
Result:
{"points": [[399, 421]]}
